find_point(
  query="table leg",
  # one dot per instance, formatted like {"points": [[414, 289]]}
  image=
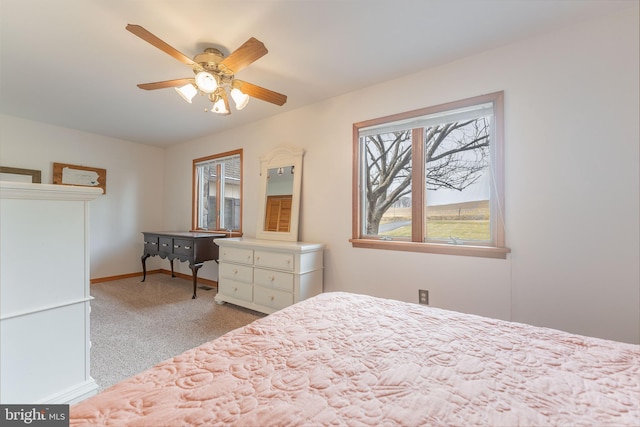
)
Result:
{"points": [[143, 258], [171, 262], [194, 270]]}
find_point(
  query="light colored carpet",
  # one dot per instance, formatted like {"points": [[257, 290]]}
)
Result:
{"points": [[135, 325]]}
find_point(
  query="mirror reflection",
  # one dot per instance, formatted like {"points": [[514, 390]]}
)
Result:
{"points": [[279, 199], [280, 189]]}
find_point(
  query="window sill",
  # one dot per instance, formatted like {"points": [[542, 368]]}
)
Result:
{"points": [[433, 248]]}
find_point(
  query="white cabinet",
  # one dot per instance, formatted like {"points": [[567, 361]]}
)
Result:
{"points": [[266, 275], [44, 293]]}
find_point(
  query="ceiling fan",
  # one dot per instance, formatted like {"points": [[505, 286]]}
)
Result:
{"points": [[213, 73]]}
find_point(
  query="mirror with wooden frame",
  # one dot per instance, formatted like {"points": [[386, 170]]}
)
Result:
{"points": [[279, 204]]}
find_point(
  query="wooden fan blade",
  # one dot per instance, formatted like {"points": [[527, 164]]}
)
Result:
{"points": [[252, 50], [261, 93], [155, 41], [165, 84]]}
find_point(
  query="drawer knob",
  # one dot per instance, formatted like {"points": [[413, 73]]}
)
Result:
{"points": [[235, 289], [176, 246], [165, 244], [146, 243], [271, 297], [153, 243], [187, 247], [272, 278]]}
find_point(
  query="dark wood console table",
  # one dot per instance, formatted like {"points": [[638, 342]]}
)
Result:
{"points": [[195, 248]]}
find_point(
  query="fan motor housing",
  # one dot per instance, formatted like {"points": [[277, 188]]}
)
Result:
{"points": [[209, 59]]}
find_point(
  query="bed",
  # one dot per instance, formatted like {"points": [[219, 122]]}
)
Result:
{"points": [[342, 359]]}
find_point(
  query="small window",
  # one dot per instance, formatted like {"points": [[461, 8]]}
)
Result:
{"points": [[217, 192], [431, 180]]}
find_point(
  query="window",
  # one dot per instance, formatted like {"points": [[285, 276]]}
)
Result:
{"points": [[217, 192], [431, 180]]}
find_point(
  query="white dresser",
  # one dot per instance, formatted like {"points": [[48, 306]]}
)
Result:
{"points": [[266, 275], [44, 293]]}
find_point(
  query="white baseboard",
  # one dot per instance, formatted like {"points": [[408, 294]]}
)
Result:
{"points": [[73, 394]]}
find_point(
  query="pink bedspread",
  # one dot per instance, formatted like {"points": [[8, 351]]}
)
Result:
{"points": [[342, 359]]}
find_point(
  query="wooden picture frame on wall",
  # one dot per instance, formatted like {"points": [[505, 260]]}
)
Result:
{"points": [[84, 176], [18, 174]]}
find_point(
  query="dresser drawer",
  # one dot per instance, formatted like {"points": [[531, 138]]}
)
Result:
{"points": [[150, 243], [273, 279], [244, 256], [281, 261], [235, 272], [239, 290], [272, 298], [166, 244], [183, 247]]}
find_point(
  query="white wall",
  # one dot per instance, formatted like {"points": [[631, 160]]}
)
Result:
{"points": [[134, 198], [572, 189]]}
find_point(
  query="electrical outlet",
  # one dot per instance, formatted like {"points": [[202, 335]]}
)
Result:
{"points": [[423, 296]]}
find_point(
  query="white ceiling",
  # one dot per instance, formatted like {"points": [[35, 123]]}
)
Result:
{"points": [[72, 63]]}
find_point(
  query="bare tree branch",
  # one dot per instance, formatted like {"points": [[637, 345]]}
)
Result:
{"points": [[456, 154]]}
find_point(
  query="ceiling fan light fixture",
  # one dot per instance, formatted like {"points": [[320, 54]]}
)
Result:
{"points": [[206, 82], [220, 102], [187, 92], [241, 99], [214, 73]]}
